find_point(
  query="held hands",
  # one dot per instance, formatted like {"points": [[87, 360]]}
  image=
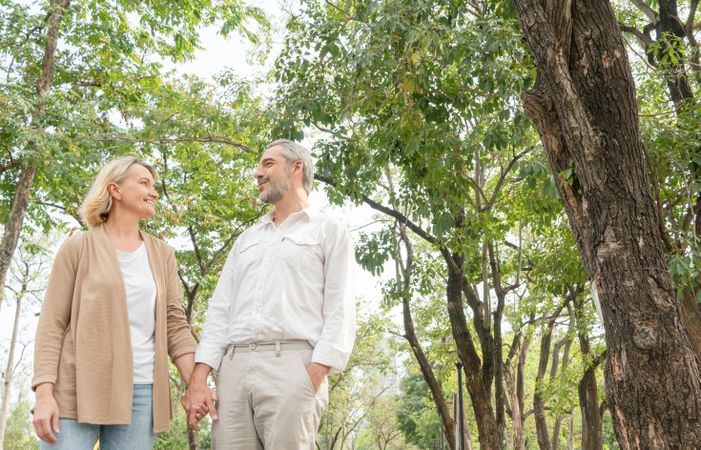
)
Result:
{"points": [[46, 413], [199, 400], [317, 372]]}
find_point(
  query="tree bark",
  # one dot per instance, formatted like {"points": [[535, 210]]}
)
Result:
{"points": [[669, 57], [584, 108], [13, 227]]}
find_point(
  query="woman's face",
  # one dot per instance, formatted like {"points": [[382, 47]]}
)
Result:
{"points": [[136, 194]]}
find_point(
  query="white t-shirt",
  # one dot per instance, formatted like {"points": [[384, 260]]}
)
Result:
{"points": [[141, 304]]}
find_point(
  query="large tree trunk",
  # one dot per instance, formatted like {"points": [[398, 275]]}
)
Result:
{"points": [[584, 108], [13, 227]]}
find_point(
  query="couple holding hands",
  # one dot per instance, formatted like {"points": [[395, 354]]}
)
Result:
{"points": [[281, 319]]}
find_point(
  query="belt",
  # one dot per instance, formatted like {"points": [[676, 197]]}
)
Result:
{"points": [[277, 346]]}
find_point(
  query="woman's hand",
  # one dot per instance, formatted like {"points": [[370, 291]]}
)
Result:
{"points": [[46, 413], [199, 401]]}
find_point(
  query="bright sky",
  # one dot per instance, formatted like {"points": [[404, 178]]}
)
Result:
{"points": [[217, 54]]}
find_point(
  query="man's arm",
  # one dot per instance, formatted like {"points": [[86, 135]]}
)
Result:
{"points": [[199, 399], [216, 327], [338, 333]]}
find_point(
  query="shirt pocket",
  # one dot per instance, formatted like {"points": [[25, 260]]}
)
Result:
{"points": [[301, 251], [248, 256]]}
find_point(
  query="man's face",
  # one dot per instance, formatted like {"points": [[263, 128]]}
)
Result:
{"points": [[272, 175]]}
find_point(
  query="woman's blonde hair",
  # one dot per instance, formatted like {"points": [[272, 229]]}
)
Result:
{"points": [[98, 202]]}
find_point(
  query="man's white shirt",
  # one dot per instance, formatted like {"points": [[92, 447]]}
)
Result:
{"points": [[292, 281]]}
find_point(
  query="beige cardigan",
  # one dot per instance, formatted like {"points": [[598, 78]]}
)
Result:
{"points": [[83, 342]]}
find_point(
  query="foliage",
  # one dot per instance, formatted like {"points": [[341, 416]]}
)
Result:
{"points": [[358, 392], [109, 61], [416, 415], [20, 432]]}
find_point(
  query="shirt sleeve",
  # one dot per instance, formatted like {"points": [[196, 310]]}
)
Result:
{"points": [[338, 333], [216, 326], [55, 313]]}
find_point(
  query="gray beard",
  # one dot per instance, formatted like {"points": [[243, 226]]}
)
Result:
{"points": [[275, 191]]}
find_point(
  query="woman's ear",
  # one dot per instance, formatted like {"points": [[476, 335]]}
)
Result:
{"points": [[113, 189]]}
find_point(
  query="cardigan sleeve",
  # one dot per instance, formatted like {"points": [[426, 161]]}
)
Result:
{"points": [[55, 312], [180, 340]]}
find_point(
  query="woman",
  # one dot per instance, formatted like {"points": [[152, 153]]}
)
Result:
{"points": [[111, 316]]}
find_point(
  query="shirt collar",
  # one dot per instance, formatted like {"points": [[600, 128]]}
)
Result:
{"points": [[310, 211]]}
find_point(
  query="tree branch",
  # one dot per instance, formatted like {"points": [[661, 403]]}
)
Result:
{"points": [[646, 9], [387, 210], [210, 138], [502, 177], [644, 39]]}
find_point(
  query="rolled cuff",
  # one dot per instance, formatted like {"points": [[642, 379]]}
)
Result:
{"points": [[43, 379], [211, 357], [180, 351], [327, 355]]}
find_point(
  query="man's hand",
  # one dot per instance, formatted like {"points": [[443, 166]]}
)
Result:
{"points": [[317, 372], [199, 399], [46, 413]]}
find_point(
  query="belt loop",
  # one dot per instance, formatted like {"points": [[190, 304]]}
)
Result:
{"points": [[277, 348], [233, 349]]}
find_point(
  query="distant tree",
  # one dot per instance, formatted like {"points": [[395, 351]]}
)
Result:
{"points": [[26, 283]]}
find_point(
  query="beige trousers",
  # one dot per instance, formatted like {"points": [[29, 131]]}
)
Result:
{"points": [[266, 398]]}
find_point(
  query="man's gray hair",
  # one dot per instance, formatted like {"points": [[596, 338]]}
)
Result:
{"points": [[293, 151]]}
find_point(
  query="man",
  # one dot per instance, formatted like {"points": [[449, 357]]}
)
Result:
{"points": [[281, 318]]}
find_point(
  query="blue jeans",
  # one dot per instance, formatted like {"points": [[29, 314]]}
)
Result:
{"points": [[137, 436]]}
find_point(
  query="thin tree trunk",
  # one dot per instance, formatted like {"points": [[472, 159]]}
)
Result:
{"points": [[585, 111], [592, 423], [566, 343], [516, 391], [478, 391], [447, 422], [404, 275], [498, 348], [670, 35], [541, 423], [13, 227], [9, 371], [193, 440]]}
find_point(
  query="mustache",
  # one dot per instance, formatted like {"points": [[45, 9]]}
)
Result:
{"points": [[263, 180]]}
